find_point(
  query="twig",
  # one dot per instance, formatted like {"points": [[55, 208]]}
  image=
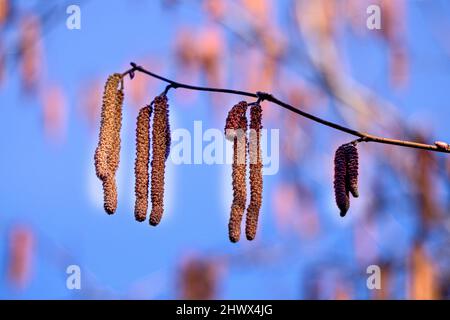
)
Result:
{"points": [[262, 96]]}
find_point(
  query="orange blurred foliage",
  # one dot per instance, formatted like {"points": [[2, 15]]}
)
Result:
{"points": [[342, 291], [319, 17], [210, 49], [21, 246], [261, 9], [198, 279], [423, 282], [215, 8], [90, 102], [54, 113], [384, 293], [4, 11]]}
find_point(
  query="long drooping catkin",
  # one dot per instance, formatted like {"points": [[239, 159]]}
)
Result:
{"points": [[236, 128], [107, 126], [142, 163], [340, 180], [256, 178], [107, 154], [351, 153], [160, 134]]}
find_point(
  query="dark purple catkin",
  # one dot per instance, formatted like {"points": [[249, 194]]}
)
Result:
{"points": [[256, 178], [340, 181], [351, 153], [160, 145], [142, 163], [237, 121]]}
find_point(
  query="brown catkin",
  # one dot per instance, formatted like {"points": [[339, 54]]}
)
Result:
{"points": [[114, 156], [142, 163], [110, 194], [168, 136], [233, 120], [107, 153], [237, 121], [256, 178], [340, 180], [351, 153], [160, 134], [107, 127]]}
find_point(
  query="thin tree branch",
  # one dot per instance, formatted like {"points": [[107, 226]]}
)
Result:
{"points": [[262, 96]]}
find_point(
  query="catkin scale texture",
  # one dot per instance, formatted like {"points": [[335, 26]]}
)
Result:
{"points": [[110, 194], [160, 134], [107, 153], [141, 166], [256, 178], [340, 181], [107, 126], [114, 156], [237, 121], [351, 153], [233, 121]]}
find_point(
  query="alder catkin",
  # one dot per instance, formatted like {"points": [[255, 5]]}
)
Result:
{"points": [[160, 146], [237, 123], [351, 153], [168, 135], [142, 163], [256, 178], [340, 181], [107, 126], [107, 153], [110, 194], [233, 120], [114, 156]]}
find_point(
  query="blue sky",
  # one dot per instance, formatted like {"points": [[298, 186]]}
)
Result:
{"points": [[53, 188]]}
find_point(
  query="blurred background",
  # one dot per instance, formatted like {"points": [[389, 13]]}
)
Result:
{"points": [[317, 55]]}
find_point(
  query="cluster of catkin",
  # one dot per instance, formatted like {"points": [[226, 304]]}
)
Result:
{"points": [[236, 131], [160, 151], [107, 153], [346, 165]]}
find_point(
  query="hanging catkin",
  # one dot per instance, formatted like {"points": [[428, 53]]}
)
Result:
{"points": [[160, 146], [351, 153], [107, 126], [340, 180], [236, 129], [142, 163], [107, 154], [256, 178]]}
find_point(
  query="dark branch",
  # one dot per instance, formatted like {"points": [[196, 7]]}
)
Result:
{"points": [[262, 96]]}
